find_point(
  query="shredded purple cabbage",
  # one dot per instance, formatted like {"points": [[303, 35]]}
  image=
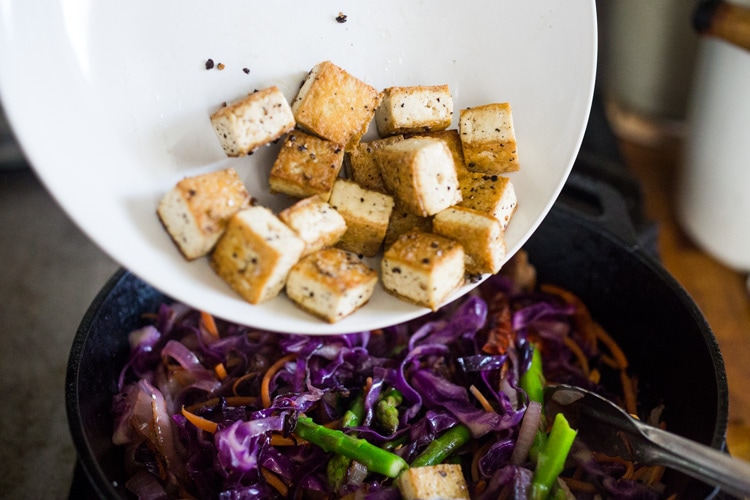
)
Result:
{"points": [[431, 362]]}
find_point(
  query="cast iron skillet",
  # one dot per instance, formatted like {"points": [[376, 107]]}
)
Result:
{"points": [[666, 338]]}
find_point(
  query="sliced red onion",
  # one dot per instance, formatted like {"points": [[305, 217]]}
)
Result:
{"points": [[529, 426]]}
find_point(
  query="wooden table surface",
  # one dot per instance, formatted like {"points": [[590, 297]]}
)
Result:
{"points": [[720, 293]]}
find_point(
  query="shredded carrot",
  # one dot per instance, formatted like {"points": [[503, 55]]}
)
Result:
{"points": [[160, 465], [367, 387], [565, 294], [628, 392], [476, 456], [480, 397], [629, 466], [578, 485], [239, 381], [480, 487], [595, 376], [578, 353], [221, 371], [655, 474], [333, 424], [231, 401], [241, 400], [582, 319], [613, 347], [610, 361], [200, 422], [640, 472], [209, 324], [604, 458], [279, 440], [265, 393], [630, 469], [274, 481], [475, 467]]}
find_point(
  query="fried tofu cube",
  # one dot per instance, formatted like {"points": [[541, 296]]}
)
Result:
{"points": [[489, 139], [453, 141], [479, 233], [433, 482], [423, 268], [421, 174], [335, 105], [331, 283], [402, 221], [361, 166], [366, 213], [196, 210], [490, 193], [256, 253], [256, 120], [414, 109], [316, 222], [306, 165]]}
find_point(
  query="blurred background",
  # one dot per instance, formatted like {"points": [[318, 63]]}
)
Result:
{"points": [[670, 126], [674, 78]]}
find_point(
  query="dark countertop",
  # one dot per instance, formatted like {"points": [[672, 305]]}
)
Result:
{"points": [[50, 273]]}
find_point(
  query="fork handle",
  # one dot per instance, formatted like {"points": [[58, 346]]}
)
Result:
{"points": [[700, 461]]}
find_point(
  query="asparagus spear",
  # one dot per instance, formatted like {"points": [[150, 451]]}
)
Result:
{"points": [[386, 411], [356, 412], [552, 458], [339, 464], [445, 444], [532, 382], [395, 443], [374, 458]]}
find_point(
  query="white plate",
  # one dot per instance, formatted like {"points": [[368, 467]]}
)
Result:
{"points": [[110, 102]]}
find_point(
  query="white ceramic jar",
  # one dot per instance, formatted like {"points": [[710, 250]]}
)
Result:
{"points": [[713, 193]]}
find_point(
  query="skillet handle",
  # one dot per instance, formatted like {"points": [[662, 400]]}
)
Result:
{"points": [[724, 20], [600, 203], [711, 466]]}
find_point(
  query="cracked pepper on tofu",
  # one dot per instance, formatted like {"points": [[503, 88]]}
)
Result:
{"points": [[418, 108], [256, 120], [431, 197], [196, 210], [421, 174], [402, 221], [490, 193], [331, 283], [489, 138], [255, 254], [366, 214], [306, 165], [423, 268], [361, 166], [453, 141], [433, 482], [316, 222], [335, 105], [478, 232]]}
